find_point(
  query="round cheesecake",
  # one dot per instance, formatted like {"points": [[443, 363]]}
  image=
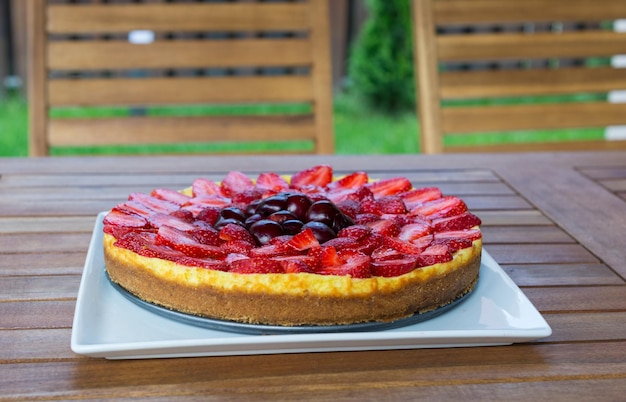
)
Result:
{"points": [[308, 249]]}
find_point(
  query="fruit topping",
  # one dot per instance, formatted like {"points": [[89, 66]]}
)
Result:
{"points": [[308, 224], [318, 176]]}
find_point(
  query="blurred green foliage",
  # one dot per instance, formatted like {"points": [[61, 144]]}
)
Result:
{"points": [[381, 60]]}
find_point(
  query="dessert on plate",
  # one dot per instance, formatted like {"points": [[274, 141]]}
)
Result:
{"points": [[306, 249]]}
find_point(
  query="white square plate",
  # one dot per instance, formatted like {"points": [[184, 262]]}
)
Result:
{"points": [[106, 324]]}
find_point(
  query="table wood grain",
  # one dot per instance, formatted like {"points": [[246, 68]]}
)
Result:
{"points": [[556, 223]]}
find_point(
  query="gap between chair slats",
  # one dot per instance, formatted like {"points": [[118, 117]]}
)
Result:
{"points": [[163, 91], [98, 55], [154, 130], [524, 46], [502, 83], [490, 11], [246, 16], [528, 117]]}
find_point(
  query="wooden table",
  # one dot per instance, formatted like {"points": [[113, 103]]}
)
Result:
{"points": [[556, 223]]}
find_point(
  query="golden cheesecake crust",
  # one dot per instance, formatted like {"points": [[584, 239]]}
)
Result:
{"points": [[291, 298]]}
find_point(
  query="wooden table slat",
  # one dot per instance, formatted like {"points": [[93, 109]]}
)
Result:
{"points": [[553, 221]]}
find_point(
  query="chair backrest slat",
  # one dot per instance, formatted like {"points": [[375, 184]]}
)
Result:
{"points": [[489, 67], [196, 62]]}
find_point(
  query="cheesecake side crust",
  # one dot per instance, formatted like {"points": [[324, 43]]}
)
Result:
{"points": [[291, 299]]}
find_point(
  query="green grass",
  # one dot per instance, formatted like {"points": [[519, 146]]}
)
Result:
{"points": [[13, 127], [358, 130]]}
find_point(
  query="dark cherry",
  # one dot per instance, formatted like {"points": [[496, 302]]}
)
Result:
{"points": [[265, 230], [251, 208], [321, 231], [298, 204], [292, 226], [341, 221], [253, 218], [322, 211], [282, 216], [221, 222], [272, 204], [234, 213]]}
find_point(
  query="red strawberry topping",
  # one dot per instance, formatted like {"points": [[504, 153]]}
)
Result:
{"points": [[153, 203], [441, 208], [235, 182], [435, 254], [465, 220], [391, 186], [308, 225], [421, 195], [271, 182], [187, 244], [413, 231], [303, 241], [202, 186], [231, 231], [256, 265], [394, 267], [352, 181], [352, 263], [176, 197], [318, 176]]}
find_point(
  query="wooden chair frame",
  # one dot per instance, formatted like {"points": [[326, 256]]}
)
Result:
{"points": [[52, 48], [435, 85]]}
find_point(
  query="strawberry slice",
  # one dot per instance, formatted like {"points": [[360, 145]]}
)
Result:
{"points": [[158, 220], [165, 194], [385, 227], [303, 241], [133, 207], [470, 234], [205, 235], [352, 181], [386, 253], [186, 243], [465, 220], [318, 176], [392, 186], [457, 239], [297, 263], [209, 215], [153, 203], [356, 232], [414, 231], [394, 267], [135, 241], [237, 247], [235, 182], [340, 243], [271, 182], [434, 254], [391, 204], [202, 186], [369, 243], [256, 265], [119, 218], [232, 231], [345, 263], [218, 265], [401, 245], [209, 200], [421, 195], [441, 208], [423, 242]]}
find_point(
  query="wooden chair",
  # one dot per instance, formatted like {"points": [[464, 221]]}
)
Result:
{"points": [[455, 96], [203, 53]]}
